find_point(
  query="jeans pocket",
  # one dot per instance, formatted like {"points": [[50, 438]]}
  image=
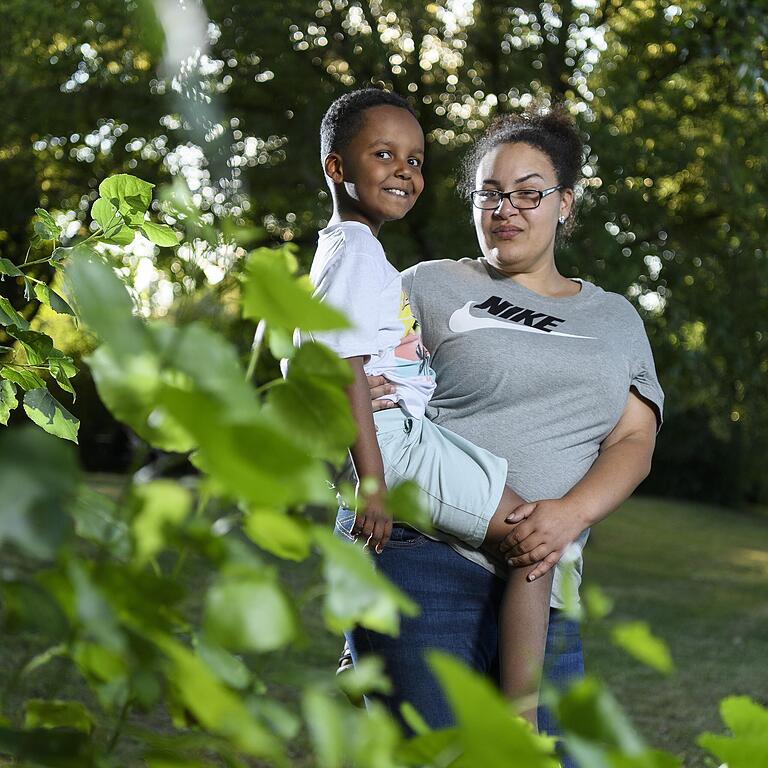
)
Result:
{"points": [[405, 536]]}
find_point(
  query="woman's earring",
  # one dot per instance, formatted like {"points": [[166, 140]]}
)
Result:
{"points": [[561, 220]]}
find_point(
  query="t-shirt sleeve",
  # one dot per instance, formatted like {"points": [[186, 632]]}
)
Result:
{"points": [[352, 283], [644, 379], [410, 289]]}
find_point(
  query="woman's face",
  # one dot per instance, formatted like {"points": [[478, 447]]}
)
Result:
{"points": [[517, 241]]}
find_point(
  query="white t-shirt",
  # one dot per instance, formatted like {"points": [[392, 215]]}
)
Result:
{"points": [[351, 272]]}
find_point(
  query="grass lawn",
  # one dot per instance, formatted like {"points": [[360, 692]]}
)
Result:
{"points": [[698, 575]]}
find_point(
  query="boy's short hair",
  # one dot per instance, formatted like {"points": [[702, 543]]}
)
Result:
{"points": [[344, 117]]}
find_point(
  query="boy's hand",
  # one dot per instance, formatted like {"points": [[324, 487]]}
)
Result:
{"points": [[379, 387], [373, 523]]}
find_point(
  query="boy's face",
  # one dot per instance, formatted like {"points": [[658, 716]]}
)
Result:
{"points": [[378, 175]]}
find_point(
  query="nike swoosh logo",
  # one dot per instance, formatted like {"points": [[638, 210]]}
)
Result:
{"points": [[462, 321]]}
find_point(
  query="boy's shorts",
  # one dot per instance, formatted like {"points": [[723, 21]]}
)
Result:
{"points": [[461, 483]]}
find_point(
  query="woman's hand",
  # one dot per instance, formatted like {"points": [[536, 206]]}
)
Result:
{"points": [[379, 387], [545, 529]]}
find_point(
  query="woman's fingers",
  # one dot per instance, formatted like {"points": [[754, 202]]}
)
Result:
{"points": [[521, 512], [546, 565], [513, 542], [529, 558]]}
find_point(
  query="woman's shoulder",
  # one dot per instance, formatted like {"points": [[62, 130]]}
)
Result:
{"points": [[437, 267], [617, 306]]}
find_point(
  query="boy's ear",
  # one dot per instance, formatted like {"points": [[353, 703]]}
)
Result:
{"points": [[333, 168]]}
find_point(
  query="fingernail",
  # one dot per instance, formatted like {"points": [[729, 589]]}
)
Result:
{"points": [[531, 577], [512, 519]]}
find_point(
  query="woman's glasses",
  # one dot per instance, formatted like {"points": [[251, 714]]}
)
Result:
{"points": [[522, 199]]}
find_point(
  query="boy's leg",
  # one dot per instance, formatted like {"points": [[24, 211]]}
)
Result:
{"points": [[563, 664], [523, 619]]}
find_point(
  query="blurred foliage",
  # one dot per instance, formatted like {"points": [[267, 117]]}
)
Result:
{"points": [[101, 588]]}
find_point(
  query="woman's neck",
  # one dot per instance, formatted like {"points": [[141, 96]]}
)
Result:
{"points": [[544, 280]]}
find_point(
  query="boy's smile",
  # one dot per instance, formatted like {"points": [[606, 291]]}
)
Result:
{"points": [[377, 177]]}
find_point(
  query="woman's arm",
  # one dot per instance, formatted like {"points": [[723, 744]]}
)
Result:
{"points": [[371, 522], [550, 525]]}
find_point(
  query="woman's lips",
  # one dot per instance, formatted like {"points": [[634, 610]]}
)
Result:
{"points": [[506, 233]]}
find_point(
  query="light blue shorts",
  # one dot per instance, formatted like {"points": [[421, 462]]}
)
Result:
{"points": [[461, 483]]}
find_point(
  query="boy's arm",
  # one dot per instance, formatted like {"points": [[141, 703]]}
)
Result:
{"points": [[372, 522]]}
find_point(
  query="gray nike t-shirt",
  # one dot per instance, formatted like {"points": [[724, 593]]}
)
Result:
{"points": [[536, 380]]}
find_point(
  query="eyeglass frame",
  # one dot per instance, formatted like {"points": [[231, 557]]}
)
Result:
{"points": [[508, 196]]}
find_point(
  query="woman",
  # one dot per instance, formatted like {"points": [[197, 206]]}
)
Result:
{"points": [[553, 374]]}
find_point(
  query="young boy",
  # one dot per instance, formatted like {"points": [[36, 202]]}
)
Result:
{"points": [[372, 149]]}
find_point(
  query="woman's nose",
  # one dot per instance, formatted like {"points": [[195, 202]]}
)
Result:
{"points": [[505, 209]]}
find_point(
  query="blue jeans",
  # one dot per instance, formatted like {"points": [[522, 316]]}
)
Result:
{"points": [[459, 604]]}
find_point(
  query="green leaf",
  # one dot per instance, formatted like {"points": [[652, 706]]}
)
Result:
{"points": [[39, 477], [596, 603], [247, 610], [744, 716], [247, 458], [60, 254], [99, 663], [280, 343], [210, 361], [160, 234], [404, 503], [52, 299], [441, 747], [271, 293], [131, 196], [97, 520], [327, 727], [93, 609], [41, 713], [47, 227], [174, 761], [279, 533], [129, 388], [366, 677], [9, 316], [25, 378], [60, 372], [489, 731], [50, 414], [9, 268], [162, 504], [52, 749], [27, 607], [312, 404], [588, 711], [38, 346], [8, 400], [106, 215], [122, 236], [103, 304], [637, 640], [747, 746], [356, 592], [227, 667], [214, 706]]}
